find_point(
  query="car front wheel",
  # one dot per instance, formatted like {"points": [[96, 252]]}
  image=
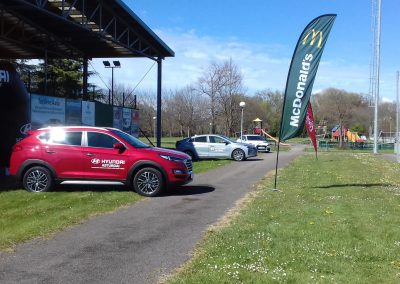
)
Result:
{"points": [[37, 179], [148, 182], [238, 155]]}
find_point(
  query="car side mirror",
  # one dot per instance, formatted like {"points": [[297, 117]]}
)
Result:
{"points": [[227, 143], [119, 146]]}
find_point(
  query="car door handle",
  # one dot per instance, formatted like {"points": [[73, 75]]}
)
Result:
{"points": [[50, 151], [90, 154]]}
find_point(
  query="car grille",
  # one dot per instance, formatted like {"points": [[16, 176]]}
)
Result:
{"points": [[189, 165]]}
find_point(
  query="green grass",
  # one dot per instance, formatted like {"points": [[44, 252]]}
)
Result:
{"points": [[206, 165], [335, 221], [27, 215]]}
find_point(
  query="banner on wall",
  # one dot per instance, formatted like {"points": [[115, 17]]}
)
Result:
{"points": [[73, 112], [135, 123], [88, 113], [47, 111], [126, 120], [117, 118]]}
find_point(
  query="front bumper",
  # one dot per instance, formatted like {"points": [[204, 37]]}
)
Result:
{"points": [[263, 148]]}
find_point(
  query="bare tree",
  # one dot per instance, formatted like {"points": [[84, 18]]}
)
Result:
{"points": [[210, 84], [229, 95]]}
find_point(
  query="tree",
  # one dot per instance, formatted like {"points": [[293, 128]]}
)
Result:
{"points": [[229, 96], [64, 78], [210, 84], [343, 108]]}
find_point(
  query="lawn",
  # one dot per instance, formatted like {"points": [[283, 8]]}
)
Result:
{"points": [[27, 215], [335, 220]]}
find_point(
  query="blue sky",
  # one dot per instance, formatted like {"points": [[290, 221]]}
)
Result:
{"points": [[260, 37]]}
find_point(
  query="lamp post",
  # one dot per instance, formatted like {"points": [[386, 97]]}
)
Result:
{"points": [[242, 105], [154, 126], [107, 64]]}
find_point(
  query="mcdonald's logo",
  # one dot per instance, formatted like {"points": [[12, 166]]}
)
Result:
{"points": [[315, 34]]}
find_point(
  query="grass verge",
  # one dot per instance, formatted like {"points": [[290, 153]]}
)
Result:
{"points": [[335, 221]]}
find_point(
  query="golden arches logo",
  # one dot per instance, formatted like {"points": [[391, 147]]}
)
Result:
{"points": [[314, 34]]}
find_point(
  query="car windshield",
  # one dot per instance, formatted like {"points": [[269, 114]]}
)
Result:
{"points": [[255, 138], [130, 139]]}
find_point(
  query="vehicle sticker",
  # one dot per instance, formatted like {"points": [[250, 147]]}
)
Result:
{"points": [[107, 164]]}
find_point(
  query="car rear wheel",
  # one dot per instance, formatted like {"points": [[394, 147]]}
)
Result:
{"points": [[148, 182], [238, 155], [37, 179]]}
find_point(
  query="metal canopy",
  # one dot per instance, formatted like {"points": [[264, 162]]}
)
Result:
{"points": [[33, 29]]}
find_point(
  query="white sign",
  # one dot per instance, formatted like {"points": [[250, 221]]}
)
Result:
{"points": [[47, 111]]}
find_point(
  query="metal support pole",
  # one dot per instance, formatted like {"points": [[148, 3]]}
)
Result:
{"points": [[85, 79], [378, 41], [241, 126], [159, 73], [112, 86], [45, 72], [397, 117]]}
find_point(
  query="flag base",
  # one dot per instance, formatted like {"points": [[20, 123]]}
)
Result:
{"points": [[276, 190]]}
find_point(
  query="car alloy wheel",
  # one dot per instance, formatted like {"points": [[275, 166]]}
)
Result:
{"points": [[238, 155], [37, 179], [148, 182]]}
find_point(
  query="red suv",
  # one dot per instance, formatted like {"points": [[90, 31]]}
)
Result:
{"points": [[82, 154]]}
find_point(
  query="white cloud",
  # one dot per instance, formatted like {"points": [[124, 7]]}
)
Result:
{"points": [[262, 66]]}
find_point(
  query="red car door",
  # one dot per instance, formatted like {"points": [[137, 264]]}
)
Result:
{"points": [[101, 160], [62, 149]]}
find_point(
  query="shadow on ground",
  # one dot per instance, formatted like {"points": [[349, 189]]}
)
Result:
{"points": [[355, 185], [189, 190]]}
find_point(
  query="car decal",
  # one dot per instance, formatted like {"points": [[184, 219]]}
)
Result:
{"points": [[107, 164]]}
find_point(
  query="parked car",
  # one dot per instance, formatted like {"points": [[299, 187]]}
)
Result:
{"points": [[62, 154], [215, 146], [257, 140]]}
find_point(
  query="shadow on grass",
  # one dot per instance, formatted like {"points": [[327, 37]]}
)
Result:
{"points": [[90, 187], [355, 185]]}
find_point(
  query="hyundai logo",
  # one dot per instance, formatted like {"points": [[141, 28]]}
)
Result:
{"points": [[25, 128], [95, 161]]}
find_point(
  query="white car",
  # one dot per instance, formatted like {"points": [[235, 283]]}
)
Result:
{"points": [[215, 146], [257, 140]]}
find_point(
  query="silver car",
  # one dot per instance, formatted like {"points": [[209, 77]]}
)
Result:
{"points": [[219, 146], [257, 140]]}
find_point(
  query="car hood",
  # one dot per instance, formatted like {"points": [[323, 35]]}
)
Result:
{"points": [[260, 143], [245, 144], [164, 151]]}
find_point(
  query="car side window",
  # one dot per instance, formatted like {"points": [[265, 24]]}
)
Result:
{"points": [[202, 139], [100, 140], [73, 138], [216, 139]]}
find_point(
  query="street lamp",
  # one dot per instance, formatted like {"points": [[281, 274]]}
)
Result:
{"points": [[242, 105], [154, 126], [107, 64]]}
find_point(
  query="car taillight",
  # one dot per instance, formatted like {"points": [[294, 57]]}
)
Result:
{"points": [[17, 148]]}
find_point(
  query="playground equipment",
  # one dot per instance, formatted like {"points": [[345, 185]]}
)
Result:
{"points": [[353, 136], [273, 138]]}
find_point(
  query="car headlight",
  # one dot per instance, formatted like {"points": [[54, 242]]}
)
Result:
{"points": [[171, 158]]}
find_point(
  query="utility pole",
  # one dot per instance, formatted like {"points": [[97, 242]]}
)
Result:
{"points": [[397, 117], [377, 60]]}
